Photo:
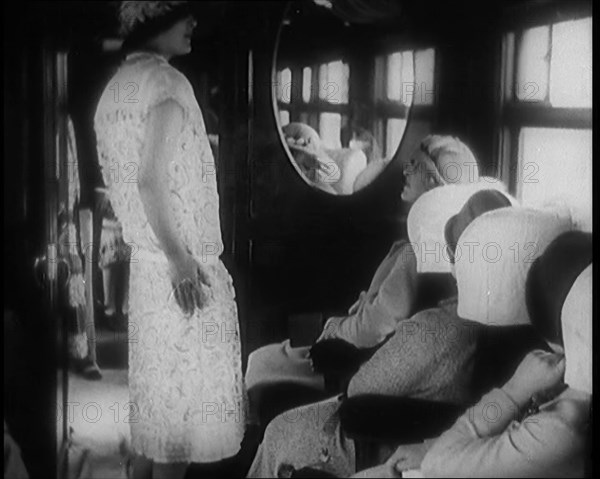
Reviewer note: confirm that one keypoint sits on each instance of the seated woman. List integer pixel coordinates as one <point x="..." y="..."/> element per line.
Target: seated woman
<point x="310" y="156"/>
<point x="512" y="440"/>
<point x="439" y="160"/>
<point x="330" y="169"/>
<point x="392" y="293"/>
<point x="430" y="356"/>
<point x="545" y="433"/>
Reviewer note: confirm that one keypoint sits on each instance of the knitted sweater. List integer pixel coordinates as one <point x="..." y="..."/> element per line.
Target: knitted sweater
<point x="430" y="357"/>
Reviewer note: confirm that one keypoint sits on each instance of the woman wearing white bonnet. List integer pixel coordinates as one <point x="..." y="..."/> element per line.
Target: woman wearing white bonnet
<point x="492" y="257"/>
<point x="393" y="293"/>
<point x="392" y="296"/>
<point x="539" y="426"/>
<point x="185" y="376"/>
<point x="429" y="356"/>
<point x="439" y="160"/>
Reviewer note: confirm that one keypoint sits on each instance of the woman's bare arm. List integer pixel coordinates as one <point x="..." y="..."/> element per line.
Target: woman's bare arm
<point x="165" y="123"/>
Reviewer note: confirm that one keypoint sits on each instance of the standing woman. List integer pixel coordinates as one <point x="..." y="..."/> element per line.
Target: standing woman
<point x="185" y="378"/>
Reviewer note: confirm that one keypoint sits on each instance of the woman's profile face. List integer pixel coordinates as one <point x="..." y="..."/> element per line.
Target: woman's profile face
<point x="419" y="173"/>
<point x="177" y="40"/>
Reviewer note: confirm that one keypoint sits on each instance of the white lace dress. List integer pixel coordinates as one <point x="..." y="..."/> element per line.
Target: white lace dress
<point x="187" y="396"/>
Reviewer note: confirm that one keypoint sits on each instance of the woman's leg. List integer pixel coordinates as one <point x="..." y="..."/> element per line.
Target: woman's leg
<point x="108" y="281"/>
<point x="169" y="471"/>
<point x="125" y="285"/>
<point x="91" y="369"/>
<point x="121" y="287"/>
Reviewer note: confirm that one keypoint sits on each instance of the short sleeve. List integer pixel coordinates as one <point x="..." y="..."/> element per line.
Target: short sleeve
<point x="166" y="83"/>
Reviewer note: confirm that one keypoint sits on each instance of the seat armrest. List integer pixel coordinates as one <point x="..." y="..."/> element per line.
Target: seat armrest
<point x="398" y="420"/>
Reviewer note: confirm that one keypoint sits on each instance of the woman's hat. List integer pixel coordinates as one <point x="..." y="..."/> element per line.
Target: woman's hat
<point x="481" y="202"/>
<point x="138" y="18"/>
<point x="577" y="333"/>
<point x="551" y="277"/>
<point x="492" y="260"/>
<point x="427" y="220"/>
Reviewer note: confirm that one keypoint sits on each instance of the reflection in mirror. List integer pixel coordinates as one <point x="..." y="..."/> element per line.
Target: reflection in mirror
<point x="343" y="90"/>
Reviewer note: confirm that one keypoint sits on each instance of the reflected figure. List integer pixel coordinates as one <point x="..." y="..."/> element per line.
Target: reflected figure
<point x="115" y="256"/>
<point x="309" y="155"/>
<point x="76" y="295"/>
<point x="330" y="169"/>
<point x="363" y="140"/>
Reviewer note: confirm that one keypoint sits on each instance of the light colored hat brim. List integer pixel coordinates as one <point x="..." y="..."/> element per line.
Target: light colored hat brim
<point x="493" y="258"/>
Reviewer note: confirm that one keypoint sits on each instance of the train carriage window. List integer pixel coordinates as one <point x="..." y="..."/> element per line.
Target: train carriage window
<point x="284" y="85"/>
<point x="403" y="79"/>
<point x="330" y="128"/>
<point x="306" y="84"/>
<point x="546" y="135"/>
<point x="533" y="65"/>
<point x="322" y="105"/>
<point x="556" y="164"/>
<point x="571" y="62"/>
<point x="424" y="77"/>
<point x="394" y="133"/>
<point x="333" y="82"/>
<point x="284" y="117"/>
<point x="400" y="73"/>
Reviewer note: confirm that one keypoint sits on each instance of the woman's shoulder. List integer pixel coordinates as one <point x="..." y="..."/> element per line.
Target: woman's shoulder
<point x="161" y="82"/>
<point x="161" y="75"/>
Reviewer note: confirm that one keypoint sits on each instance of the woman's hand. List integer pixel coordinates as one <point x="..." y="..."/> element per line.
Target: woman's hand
<point x="187" y="278"/>
<point x="330" y="328"/>
<point x="539" y="372"/>
<point x="355" y="307"/>
<point x="104" y="208"/>
<point x="406" y="458"/>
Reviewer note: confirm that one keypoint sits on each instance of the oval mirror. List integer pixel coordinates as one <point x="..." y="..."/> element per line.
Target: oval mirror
<point x="343" y="88"/>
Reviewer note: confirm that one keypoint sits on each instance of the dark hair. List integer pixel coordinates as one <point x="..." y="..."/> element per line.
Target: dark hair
<point x="550" y="279"/>
<point x="143" y="31"/>
<point x="478" y="204"/>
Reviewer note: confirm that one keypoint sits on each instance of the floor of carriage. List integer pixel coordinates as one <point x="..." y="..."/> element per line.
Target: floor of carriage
<point x="97" y="416"/>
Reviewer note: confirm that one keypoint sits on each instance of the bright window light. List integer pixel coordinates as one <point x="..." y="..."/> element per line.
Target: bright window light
<point x="571" y="64"/>
<point x="533" y="63"/>
<point x="330" y="125"/>
<point x="555" y="166"/>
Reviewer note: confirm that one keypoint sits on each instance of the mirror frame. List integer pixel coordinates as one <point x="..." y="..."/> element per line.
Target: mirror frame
<point x="279" y="127"/>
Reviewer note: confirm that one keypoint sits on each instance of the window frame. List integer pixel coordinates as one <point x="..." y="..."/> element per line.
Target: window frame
<point x="385" y="109"/>
<point x="515" y="114"/>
